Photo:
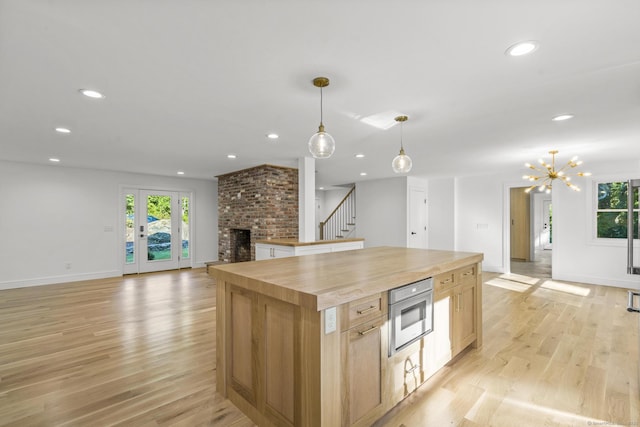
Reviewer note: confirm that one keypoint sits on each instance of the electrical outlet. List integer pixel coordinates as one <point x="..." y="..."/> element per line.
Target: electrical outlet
<point x="330" y="320"/>
<point x="67" y="265"/>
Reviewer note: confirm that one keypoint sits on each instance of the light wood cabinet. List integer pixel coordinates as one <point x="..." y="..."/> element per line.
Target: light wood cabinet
<point x="363" y="370"/>
<point x="299" y="345"/>
<point x="263" y="328"/>
<point x="463" y="331"/>
<point x="461" y="288"/>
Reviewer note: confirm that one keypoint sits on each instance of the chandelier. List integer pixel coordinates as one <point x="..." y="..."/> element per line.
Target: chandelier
<point x="546" y="173"/>
<point x="321" y="144"/>
<point x="401" y="163"/>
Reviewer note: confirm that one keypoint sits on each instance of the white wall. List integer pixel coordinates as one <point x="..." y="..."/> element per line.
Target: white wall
<point x="479" y="218"/>
<point x="381" y="209"/>
<point x="441" y="208"/>
<point x="331" y="198"/>
<point x="482" y="204"/>
<point x="577" y="255"/>
<point x="53" y="215"/>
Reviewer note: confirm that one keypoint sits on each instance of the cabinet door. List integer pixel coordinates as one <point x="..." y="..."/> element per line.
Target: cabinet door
<point x="272" y="251"/>
<point x="464" y="316"/>
<point x="312" y="249"/>
<point x="363" y="370"/>
<point x="347" y="246"/>
<point x="283" y="251"/>
<point x="262" y="252"/>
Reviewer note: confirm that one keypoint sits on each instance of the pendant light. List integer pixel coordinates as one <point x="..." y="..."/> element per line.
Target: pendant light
<point x="401" y="163"/>
<point x="321" y="144"/>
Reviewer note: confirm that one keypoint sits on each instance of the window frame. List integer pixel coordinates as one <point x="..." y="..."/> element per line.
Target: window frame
<point x="592" y="194"/>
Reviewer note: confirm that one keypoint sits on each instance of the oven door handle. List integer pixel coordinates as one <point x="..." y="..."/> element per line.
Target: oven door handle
<point x="630" y="306"/>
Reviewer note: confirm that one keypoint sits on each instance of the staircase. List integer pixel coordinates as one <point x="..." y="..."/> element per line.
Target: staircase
<point x="341" y="223"/>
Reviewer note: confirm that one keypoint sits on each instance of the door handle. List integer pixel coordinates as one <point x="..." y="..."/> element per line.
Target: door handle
<point x="413" y="232"/>
<point x="630" y="306"/>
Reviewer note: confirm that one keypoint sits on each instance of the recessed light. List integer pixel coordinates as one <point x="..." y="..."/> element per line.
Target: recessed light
<point x="54" y="160"/>
<point x="320" y="188"/>
<point x="180" y="173"/>
<point x="272" y="136"/>
<point x="91" y="93"/>
<point x="359" y="156"/>
<point x="363" y="174"/>
<point x="522" y="48"/>
<point x="63" y="130"/>
<point x="231" y="156"/>
<point x="562" y="117"/>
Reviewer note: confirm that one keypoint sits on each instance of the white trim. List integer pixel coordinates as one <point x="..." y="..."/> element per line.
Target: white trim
<point x="122" y="190"/>
<point x="51" y="280"/>
<point x="601" y="281"/>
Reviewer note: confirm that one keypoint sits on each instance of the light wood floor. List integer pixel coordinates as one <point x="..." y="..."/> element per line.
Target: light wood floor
<point x="140" y="351"/>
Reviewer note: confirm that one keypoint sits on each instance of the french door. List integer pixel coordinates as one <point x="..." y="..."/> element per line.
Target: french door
<point x="156" y="231"/>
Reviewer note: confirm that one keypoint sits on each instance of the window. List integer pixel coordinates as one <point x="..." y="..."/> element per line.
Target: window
<point x="611" y="211"/>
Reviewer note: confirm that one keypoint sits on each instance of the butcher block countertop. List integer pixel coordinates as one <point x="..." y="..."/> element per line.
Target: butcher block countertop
<point x="295" y="242"/>
<point x="320" y="281"/>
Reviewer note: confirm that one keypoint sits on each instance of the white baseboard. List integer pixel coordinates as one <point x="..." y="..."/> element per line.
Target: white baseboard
<point x="51" y="280"/>
<point x="632" y="283"/>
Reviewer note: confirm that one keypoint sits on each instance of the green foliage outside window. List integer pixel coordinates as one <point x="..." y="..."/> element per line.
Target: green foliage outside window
<point x="185" y="210"/>
<point x="611" y="214"/>
<point x="159" y="206"/>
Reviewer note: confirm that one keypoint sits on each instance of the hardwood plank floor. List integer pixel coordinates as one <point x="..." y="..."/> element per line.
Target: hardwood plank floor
<point x="140" y="351"/>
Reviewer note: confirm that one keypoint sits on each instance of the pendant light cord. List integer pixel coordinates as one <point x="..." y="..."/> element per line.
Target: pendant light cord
<point x="321" y="105"/>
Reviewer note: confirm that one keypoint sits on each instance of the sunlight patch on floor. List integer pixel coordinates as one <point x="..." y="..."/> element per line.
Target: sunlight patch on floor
<point x="556" y="415"/>
<point x="508" y="284"/>
<point x="520" y="278"/>
<point x="567" y="288"/>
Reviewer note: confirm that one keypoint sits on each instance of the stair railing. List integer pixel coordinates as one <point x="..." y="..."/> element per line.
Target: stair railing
<point x="341" y="220"/>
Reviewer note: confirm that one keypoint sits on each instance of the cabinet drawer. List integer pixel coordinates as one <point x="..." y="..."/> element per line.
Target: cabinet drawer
<point x="445" y="281"/>
<point x="467" y="275"/>
<point x="365" y="309"/>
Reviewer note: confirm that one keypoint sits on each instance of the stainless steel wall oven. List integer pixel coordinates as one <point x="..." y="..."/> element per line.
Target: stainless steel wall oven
<point x="410" y="314"/>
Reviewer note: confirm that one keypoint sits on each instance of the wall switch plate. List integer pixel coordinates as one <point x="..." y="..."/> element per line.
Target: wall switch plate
<point x="330" y="320"/>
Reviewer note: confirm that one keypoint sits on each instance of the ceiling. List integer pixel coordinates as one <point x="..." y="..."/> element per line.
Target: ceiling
<point x="188" y="82"/>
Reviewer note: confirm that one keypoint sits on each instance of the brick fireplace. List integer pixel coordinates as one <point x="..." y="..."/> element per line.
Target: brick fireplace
<point x="254" y="204"/>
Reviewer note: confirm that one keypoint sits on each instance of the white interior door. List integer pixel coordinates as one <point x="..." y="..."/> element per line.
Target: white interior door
<point x="157" y="230"/>
<point x="546" y="236"/>
<point x="417" y="218"/>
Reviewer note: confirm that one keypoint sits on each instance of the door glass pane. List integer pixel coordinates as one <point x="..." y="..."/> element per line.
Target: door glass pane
<point x="129" y="229"/>
<point x="185" y="227"/>
<point x="158" y="227"/>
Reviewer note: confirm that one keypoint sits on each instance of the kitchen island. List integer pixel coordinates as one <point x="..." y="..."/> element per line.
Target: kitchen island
<point x="303" y="341"/>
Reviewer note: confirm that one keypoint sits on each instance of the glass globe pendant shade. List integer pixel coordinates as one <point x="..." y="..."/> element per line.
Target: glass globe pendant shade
<point x="401" y="163"/>
<point x="321" y="144"/>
